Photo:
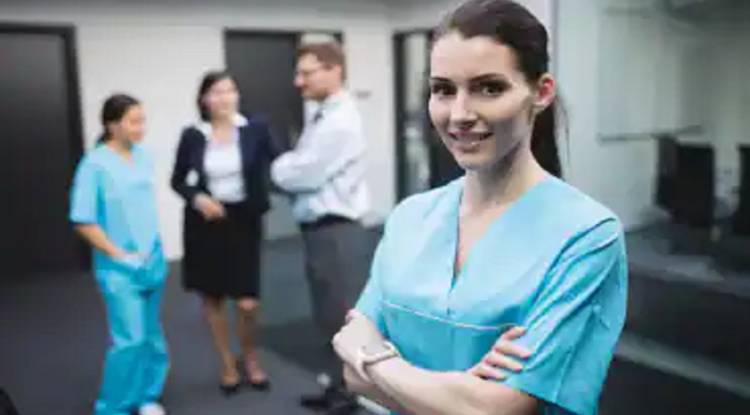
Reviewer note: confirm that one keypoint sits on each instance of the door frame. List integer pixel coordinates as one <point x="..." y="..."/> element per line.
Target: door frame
<point x="74" y="116"/>
<point x="399" y="104"/>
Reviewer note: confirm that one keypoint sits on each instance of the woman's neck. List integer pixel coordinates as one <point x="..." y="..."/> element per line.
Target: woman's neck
<point x="222" y="129"/>
<point x="503" y="184"/>
<point x="222" y="123"/>
<point x="120" y="146"/>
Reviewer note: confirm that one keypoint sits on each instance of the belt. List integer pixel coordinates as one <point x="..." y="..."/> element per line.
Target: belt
<point x="324" y="221"/>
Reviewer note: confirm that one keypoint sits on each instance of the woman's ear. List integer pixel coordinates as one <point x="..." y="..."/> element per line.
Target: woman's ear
<point x="546" y="91"/>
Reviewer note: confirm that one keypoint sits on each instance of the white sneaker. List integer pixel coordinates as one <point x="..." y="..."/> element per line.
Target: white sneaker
<point x="152" y="408"/>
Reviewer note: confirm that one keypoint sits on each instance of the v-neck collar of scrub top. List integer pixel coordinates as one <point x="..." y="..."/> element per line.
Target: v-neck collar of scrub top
<point x="130" y="162"/>
<point x="494" y="227"/>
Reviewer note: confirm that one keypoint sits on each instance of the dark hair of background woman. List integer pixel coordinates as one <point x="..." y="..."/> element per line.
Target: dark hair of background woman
<point x="209" y="79"/>
<point x="113" y="110"/>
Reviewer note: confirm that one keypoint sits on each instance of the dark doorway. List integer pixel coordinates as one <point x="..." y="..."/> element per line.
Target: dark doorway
<point x="40" y="118"/>
<point x="263" y="63"/>
<point x="422" y="162"/>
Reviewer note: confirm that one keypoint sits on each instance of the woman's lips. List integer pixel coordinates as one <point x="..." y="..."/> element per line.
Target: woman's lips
<point x="469" y="137"/>
<point x="468" y="142"/>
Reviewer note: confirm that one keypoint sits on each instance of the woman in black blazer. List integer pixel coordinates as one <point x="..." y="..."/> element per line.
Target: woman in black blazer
<point x="221" y="171"/>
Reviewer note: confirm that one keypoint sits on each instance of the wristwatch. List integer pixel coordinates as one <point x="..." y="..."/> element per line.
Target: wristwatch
<point x="369" y="355"/>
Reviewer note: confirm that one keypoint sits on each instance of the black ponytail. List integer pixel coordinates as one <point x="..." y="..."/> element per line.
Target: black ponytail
<point x="544" y="139"/>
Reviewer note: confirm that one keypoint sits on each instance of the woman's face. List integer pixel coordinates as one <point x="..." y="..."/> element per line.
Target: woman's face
<point x="480" y="103"/>
<point x="222" y="99"/>
<point x="131" y="127"/>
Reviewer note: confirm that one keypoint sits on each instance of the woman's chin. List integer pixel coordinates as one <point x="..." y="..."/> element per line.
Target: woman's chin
<point x="472" y="162"/>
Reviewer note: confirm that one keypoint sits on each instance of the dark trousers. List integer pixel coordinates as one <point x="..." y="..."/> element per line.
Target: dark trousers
<point x="337" y="266"/>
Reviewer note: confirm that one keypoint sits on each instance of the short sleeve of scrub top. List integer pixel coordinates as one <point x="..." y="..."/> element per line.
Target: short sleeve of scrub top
<point x="575" y="323"/>
<point x="83" y="202"/>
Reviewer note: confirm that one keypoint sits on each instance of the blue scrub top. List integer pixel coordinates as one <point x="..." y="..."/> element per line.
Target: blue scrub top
<point x="118" y="195"/>
<point x="554" y="262"/>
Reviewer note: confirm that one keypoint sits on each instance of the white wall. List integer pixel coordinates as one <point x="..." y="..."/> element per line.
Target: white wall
<point x="637" y="72"/>
<point x="619" y="71"/>
<point x="159" y="50"/>
<point x="643" y="75"/>
<point x="605" y="171"/>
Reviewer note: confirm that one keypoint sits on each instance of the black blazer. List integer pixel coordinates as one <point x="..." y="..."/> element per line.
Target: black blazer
<point x="257" y="150"/>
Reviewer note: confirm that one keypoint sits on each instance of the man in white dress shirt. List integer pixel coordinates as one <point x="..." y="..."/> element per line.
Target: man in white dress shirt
<point x="325" y="176"/>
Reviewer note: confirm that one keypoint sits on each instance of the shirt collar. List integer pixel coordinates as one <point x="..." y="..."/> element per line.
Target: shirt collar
<point x="331" y="102"/>
<point x="334" y="99"/>
<point x="205" y="127"/>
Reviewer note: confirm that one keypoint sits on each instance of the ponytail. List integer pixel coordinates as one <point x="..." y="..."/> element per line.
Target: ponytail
<point x="544" y="140"/>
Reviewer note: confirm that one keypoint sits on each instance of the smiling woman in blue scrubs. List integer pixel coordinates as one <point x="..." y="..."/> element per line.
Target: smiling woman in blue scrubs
<point x="508" y="248"/>
<point x="113" y="206"/>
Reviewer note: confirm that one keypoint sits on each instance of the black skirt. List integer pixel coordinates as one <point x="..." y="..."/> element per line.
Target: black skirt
<point x="222" y="258"/>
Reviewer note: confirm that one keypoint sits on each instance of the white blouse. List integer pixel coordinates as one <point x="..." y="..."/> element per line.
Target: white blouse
<point x="223" y="166"/>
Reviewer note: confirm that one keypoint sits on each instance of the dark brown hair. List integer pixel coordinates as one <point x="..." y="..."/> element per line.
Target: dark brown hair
<point x="513" y="25"/>
<point x="114" y="108"/>
<point x="209" y="79"/>
<point x="328" y="53"/>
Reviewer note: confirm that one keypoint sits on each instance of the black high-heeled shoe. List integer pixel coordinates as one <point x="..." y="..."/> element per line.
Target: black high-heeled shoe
<point x="252" y="367"/>
<point x="229" y="389"/>
<point x="261" y="386"/>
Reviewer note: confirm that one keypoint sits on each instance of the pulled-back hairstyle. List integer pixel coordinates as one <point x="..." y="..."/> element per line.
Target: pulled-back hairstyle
<point x="513" y="25"/>
<point x="113" y="109"/>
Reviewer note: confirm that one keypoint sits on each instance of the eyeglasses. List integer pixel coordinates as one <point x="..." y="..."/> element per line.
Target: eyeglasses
<point x="309" y="72"/>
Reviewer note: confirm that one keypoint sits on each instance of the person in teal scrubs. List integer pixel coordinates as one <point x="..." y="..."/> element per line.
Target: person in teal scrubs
<point x="507" y="252"/>
<point x="113" y="206"/>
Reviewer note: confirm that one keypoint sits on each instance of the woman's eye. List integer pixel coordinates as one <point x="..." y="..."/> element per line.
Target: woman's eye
<point x="442" y="90"/>
<point x="491" y="88"/>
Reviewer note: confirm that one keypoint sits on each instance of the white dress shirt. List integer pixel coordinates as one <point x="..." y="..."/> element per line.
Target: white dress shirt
<point x="326" y="170"/>
<point x="222" y="163"/>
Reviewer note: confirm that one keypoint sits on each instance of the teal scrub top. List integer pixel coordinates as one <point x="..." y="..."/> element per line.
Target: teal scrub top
<point x="118" y="195"/>
<point x="553" y="262"/>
